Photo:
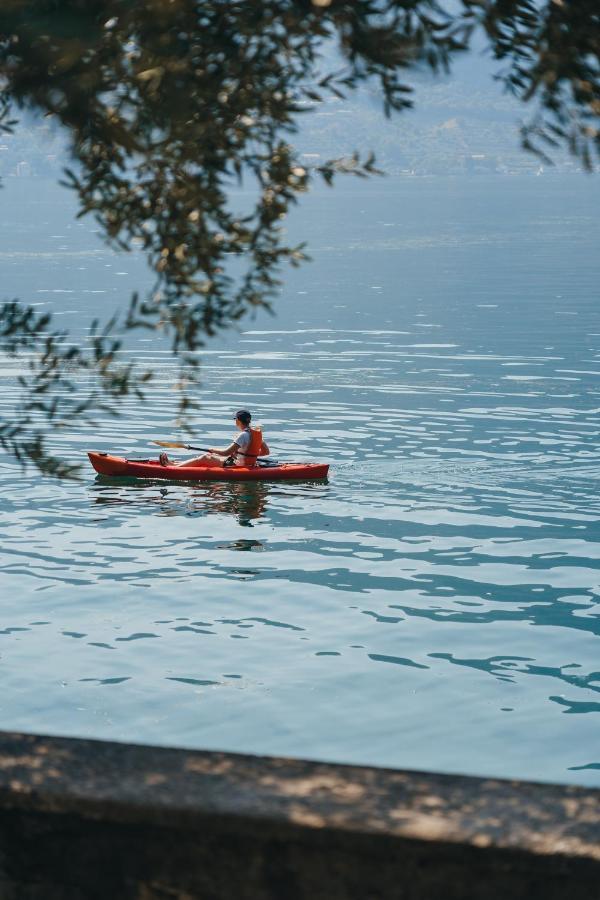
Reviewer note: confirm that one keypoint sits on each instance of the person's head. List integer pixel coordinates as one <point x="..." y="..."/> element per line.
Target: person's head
<point x="242" y="418"/>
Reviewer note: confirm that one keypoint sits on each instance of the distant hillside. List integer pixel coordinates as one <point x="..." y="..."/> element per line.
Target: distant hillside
<point x="37" y="148"/>
<point x="461" y="124"/>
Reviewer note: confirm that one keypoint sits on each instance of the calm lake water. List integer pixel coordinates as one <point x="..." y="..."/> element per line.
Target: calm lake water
<point x="436" y="604"/>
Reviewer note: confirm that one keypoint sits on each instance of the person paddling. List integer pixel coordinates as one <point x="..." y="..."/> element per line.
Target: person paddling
<point x="245" y="449"/>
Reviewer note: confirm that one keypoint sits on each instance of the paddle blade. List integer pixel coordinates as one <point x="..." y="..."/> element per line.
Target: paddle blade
<point x="173" y="444"/>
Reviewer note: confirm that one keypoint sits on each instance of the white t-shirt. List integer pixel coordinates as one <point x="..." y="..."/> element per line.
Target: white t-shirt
<point x="243" y="441"/>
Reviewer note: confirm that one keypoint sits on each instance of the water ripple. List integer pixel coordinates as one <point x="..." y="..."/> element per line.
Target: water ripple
<point x="436" y="604"/>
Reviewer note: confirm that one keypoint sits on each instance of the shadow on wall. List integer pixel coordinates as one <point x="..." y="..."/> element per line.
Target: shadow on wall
<point x="91" y="819"/>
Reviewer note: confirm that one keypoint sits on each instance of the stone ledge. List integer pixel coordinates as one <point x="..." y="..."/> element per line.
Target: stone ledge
<point x="87" y="819"/>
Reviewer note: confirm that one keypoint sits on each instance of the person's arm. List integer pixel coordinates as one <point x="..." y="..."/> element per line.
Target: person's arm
<point x="229" y="451"/>
<point x="264" y="450"/>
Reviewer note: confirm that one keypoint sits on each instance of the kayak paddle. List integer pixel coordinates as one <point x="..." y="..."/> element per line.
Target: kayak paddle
<point x="175" y="445"/>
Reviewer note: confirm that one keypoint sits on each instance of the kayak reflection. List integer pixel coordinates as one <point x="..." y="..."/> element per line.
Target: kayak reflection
<point x="247" y="500"/>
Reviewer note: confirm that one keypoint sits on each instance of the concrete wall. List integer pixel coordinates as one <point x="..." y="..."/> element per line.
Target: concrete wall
<point x="89" y="819"/>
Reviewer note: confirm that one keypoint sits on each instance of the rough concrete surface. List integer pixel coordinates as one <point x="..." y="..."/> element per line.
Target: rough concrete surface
<point x="92" y="819"/>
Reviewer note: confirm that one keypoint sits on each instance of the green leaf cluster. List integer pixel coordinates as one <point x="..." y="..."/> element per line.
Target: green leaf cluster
<point x="171" y="103"/>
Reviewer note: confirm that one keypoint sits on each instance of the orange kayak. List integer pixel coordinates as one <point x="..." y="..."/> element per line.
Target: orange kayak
<point x="105" y="464"/>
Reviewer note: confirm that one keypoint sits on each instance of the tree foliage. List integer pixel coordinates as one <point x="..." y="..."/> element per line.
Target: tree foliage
<point x="170" y="103"/>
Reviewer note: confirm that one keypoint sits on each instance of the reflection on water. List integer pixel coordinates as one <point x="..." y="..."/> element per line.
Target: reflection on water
<point x="243" y="545"/>
<point x="435" y="605"/>
<point x="244" y="500"/>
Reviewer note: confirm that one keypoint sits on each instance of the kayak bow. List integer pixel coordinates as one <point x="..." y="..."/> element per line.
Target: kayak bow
<point x="105" y="464"/>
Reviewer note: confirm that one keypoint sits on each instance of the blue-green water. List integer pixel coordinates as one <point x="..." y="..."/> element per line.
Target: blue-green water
<point x="436" y="605"/>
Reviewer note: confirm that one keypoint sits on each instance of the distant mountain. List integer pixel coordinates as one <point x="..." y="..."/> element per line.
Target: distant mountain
<point x="463" y="123"/>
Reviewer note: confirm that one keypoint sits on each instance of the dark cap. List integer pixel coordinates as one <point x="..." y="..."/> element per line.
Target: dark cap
<point x="244" y="416"/>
